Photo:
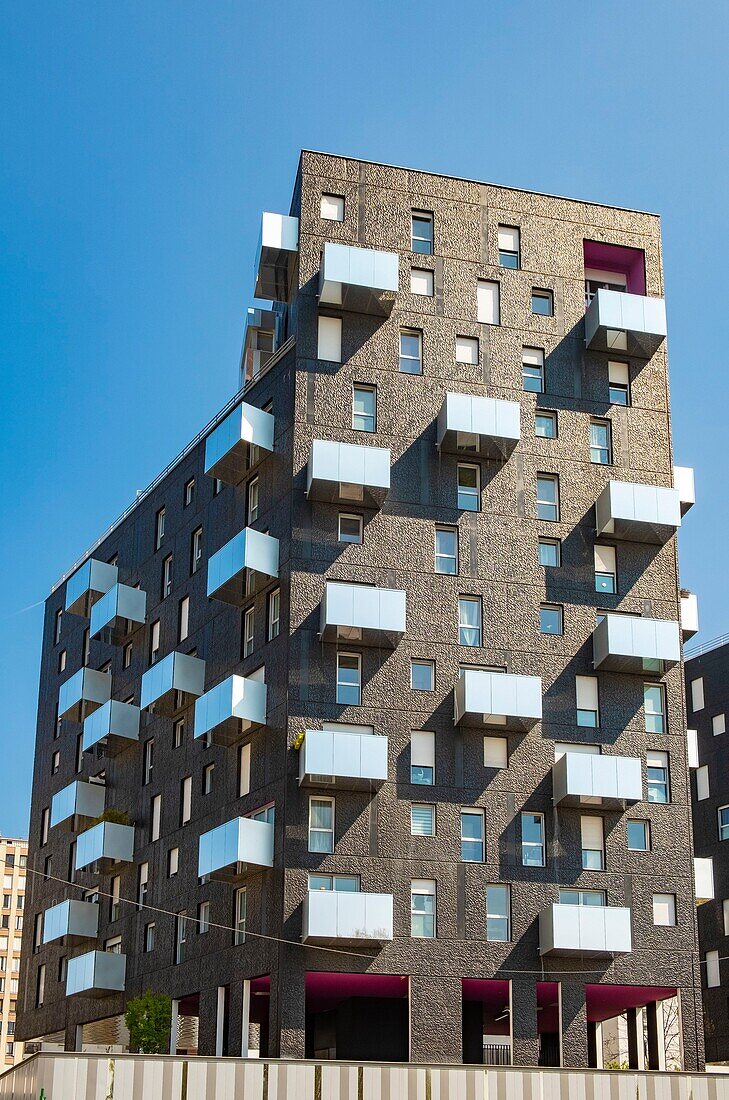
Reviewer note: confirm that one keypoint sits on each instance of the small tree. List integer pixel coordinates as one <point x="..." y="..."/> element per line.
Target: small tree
<point x="148" y="1019"/>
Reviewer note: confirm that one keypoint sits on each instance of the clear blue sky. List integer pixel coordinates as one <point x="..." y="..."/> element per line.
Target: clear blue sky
<point x="139" y="143"/>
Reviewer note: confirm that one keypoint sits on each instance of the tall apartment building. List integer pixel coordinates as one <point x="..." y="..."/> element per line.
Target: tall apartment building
<point x="362" y="733"/>
<point x="707" y="698"/>
<point x="13" y="858"/>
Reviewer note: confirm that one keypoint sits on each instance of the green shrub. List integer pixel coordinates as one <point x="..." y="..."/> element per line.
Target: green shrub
<point x="148" y="1019"/>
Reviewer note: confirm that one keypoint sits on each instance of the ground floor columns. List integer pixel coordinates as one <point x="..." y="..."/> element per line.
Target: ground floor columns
<point x="524" y="1037"/>
<point x="287" y="1017"/>
<point x="174" y="1024"/>
<point x="574" y="1025"/>
<point x="435" y="1019"/>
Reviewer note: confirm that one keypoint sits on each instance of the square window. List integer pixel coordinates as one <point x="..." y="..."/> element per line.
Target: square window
<point x="469" y="488"/>
<point x="364" y="408"/>
<point x="350" y="528"/>
<point x="331" y="208"/>
<point x="545" y="425"/>
<point x="467" y="350"/>
<point x="422" y="282"/>
<point x="422" y="820"/>
<point x="446" y="550"/>
<point x="421" y="232"/>
<point x="495" y="752"/>
<point x="543" y="303"/>
<point x="664" y="910"/>
<point x="550" y="619"/>
<point x="422" y="675"/>
<point x="638" y="836"/>
<point x="550" y="553"/>
<point x="411" y="351"/>
<point x="723" y="814"/>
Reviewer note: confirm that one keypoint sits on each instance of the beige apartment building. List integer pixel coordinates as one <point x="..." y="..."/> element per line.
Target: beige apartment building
<point x="13" y="858"/>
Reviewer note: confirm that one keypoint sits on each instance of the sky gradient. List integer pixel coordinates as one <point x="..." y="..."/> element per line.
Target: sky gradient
<point x="140" y="143"/>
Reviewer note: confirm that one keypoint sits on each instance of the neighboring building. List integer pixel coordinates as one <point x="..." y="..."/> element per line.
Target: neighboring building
<point x="13" y="859"/>
<point x="389" y="662"/>
<point x="707" y="703"/>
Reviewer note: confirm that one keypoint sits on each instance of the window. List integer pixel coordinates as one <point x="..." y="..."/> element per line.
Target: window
<point x="167" y="576"/>
<point x="469" y="621"/>
<point x="331" y="208"/>
<point x="582" y="897"/>
<point x="550" y="619"/>
<point x="114" y="902"/>
<point x="155" y="817"/>
<point x="664" y="910"/>
<point x="173" y="862"/>
<point x="364" y="408"/>
<point x="188" y="493"/>
<point x="252" y="497"/>
<point x="495" y="752"/>
<point x="723" y="815"/>
<point x="638" y="835"/>
<point x="178" y="732"/>
<point x="550" y="552"/>
<point x="545" y="425"/>
<point x="472" y="836"/>
<point x="244" y="769"/>
<point x="498" y="914"/>
<point x="239" y="915"/>
<point x="180" y="935"/>
<point x="422" y="909"/>
<point x="349" y="679"/>
<point x="588" y="710"/>
<point x="658" y="777"/>
<point x="55" y="762"/>
<point x="142" y="884"/>
<point x="467" y="350"/>
<point x="713" y="973"/>
<point x="321" y="825"/>
<point x="488" y="306"/>
<point x="347" y="884"/>
<point x="183" y="618"/>
<point x="422" y="675"/>
<point x="543" y="302"/>
<point x="217" y="486"/>
<point x="725" y="915"/>
<point x="274" y="614"/>
<point x="185" y="800"/>
<point x="718" y="724"/>
<point x="149" y="937"/>
<point x="606" y="570"/>
<point x="127" y="653"/>
<point x="422" y="282"/>
<point x="547" y="497"/>
<point x="654" y="707"/>
<point x="248" y="629"/>
<point x="350" y="528"/>
<point x="593" y="843"/>
<point x="532" y="370"/>
<point x="147" y="761"/>
<point x="329" y="338"/>
<point x="154" y="639"/>
<point x="532" y="840"/>
<point x="57" y="626"/>
<point x="203" y="918"/>
<point x="422" y="819"/>
<point x="207" y="778"/>
<point x="702" y="783"/>
<point x="86" y="647"/>
<point x="421" y="232"/>
<point x="509" y="237"/>
<point x="62" y="661"/>
<point x="601" y="450"/>
<point x="196" y="550"/>
<point x="697" y="694"/>
<point x="411" y="351"/>
<point x="159" y="528"/>
<point x="422" y="758"/>
<point x="469" y="488"/>
<point x="446" y="550"/>
<point x="619" y="383"/>
<point x="40" y="985"/>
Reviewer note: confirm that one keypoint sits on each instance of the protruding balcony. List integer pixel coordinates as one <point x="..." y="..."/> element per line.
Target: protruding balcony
<point x="587" y="779"/>
<point x="347" y="917"/>
<point x="469" y="424"/>
<point x="689" y="615"/>
<point x="96" y="974"/>
<point x="231" y="709"/>
<point x="683" y="482"/>
<point x="276" y="259"/>
<point x="105" y="844"/>
<point x="71" y="920"/>
<point x="584" y="929"/>
<point x="350" y="761"/>
<point x="248" y="550"/>
<point x="230" y="850"/>
<point x="344" y="472"/>
<point x="172" y="683"/>
<point x="77" y="801"/>
<point x="363" y="280"/>
<point x="629" y="323"/>
<point x="226" y="449"/>
<point x="692" y="748"/>
<point x="498" y="699"/>
<point x="115" y="724"/>
<point x="112" y="615"/>
<point x="362" y="613"/>
<point x="83" y="693"/>
<point x="259" y="344"/>
<point x="92" y="580"/>
<point x="629" y="643"/>
<point x="638" y="513"/>
<point x="704" y="879"/>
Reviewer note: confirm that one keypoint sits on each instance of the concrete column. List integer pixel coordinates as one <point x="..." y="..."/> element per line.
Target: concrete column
<point x="173" y="1026"/>
<point x="73" y="1040"/>
<point x="245" y="1022"/>
<point x="656" y="1036"/>
<point x="436" y="1028"/>
<point x="594" y="1045"/>
<point x="287" y="1018"/>
<point x="574" y="1025"/>
<point x="220" y="1022"/>
<point x="524" y="1037"/>
<point x="636" y="1049"/>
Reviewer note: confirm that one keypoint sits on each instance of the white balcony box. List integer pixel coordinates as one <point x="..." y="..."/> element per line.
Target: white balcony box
<point x="363" y="614"/>
<point x="78" y="800"/>
<point x="226" y="448"/>
<point x="469" y="424"/>
<point x="629" y="643"/>
<point x="348" y="472"/>
<point x="231" y="709"/>
<point x="112" y="614"/>
<point x="83" y="693"/>
<point x="92" y="580"/>
<point x="116" y="725"/>
<point x="584" y="930"/>
<point x="497" y="699"/>
<point x="105" y="844"/>
<point x="704" y="879"/>
<point x="683" y="482"/>
<point x="351" y="761"/>
<point x="580" y="779"/>
<point x="172" y="683"/>
<point x="344" y="917"/>
<point x="71" y="920"/>
<point x="230" y="850"/>
<point x="96" y="974"/>
<point x="248" y="550"/>
<point x="632" y="323"/>
<point x="259" y="343"/>
<point x="689" y="615"/>
<point x="637" y="513"/>
<point x="363" y="280"/>
<point x="276" y="257"/>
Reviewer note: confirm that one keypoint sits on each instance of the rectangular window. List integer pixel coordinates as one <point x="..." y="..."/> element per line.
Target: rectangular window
<point x="446" y="550"/>
<point x="543" y="302"/>
<point x="183" y="618"/>
<point x="495" y="752"/>
<point x="411" y="351"/>
<point x="329" y="342"/>
<point x="723" y="816"/>
<point x="467" y="350"/>
<point x="545" y="425"/>
<point x="364" y="408"/>
<point x="582" y="897"/>
<point x="55" y="762"/>
<point x="154" y="641"/>
<point x="248" y="631"/>
<point x="697" y="694"/>
<point x="588" y="710"/>
<point x="422" y="675"/>
<point x="421" y="232"/>
<point x="601" y="448"/>
<point x="638" y="835"/>
<point x="155" y="817"/>
<point x="188" y="493"/>
<point x="532" y="369"/>
<point x="274" y="614"/>
<point x="619" y="383"/>
<point x="606" y="569"/>
<point x="550" y="619"/>
<point x="422" y="758"/>
<point x="253" y="500"/>
<point x="239" y="915"/>
<point x="207" y="778"/>
<point x="178" y="732"/>
<point x="658" y="777"/>
<point x="422" y="282"/>
<point x="725" y="915"/>
<point x="702" y="783"/>
<point x="664" y="910"/>
<point x="62" y="661"/>
<point x="203" y="918"/>
<point x="593" y="843"/>
<point x="472" y="836"/>
<point x="180" y="935"/>
<point x="40" y="985"/>
<point x="498" y="913"/>
<point x="509" y="237"/>
<point x="159" y="528"/>
<point x="185" y="800"/>
<point x="713" y="971"/>
<point x="547" y="497"/>
<point x="196" y="550"/>
<point x="550" y="553"/>
<point x="149" y="937"/>
<point x="349" y="679"/>
<point x="142" y="884"/>
<point x="57" y="626"/>
<point x="167" y="576"/>
<point x="532" y="840"/>
<point x="127" y="653"/>
<point x="469" y="621"/>
<point x="422" y="819"/>
<point x="147" y="761"/>
<point x="331" y="208"/>
<point x="718" y="724"/>
<point x="469" y="487"/>
<point x="488" y="306"/>
<point x="244" y="770"/>
<point x="173" y="862"/>
<point x="114" y="903"/>
<point x="344" y="884"/>
<point x="422" y="909"/>
<point x="321" y="825"/>
<point x="654" y="708"/>
<point x="350" y="528"/>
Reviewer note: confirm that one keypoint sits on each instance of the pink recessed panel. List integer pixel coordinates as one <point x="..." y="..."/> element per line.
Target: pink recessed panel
<point x="616" y="257"/>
